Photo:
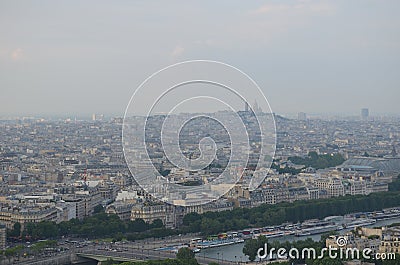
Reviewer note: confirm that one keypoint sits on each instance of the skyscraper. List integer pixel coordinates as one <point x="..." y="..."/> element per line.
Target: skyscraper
<point x="302" y="116"/>
<point x="364" y="113"/>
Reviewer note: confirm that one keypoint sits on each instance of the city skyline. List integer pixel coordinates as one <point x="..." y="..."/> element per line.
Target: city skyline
<point x="200" y="132"/>
<point x="312" y="57"/>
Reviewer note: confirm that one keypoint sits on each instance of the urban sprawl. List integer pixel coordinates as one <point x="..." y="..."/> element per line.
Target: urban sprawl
<point x="58" y="170"/>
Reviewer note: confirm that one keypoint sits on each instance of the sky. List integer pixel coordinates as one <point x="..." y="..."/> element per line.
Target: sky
<point x="84" y="57"/>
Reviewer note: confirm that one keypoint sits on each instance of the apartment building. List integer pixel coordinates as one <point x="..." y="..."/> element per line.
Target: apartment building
<point x="9" y="215"/>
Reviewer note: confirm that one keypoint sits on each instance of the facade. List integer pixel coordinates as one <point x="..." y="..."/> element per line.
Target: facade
<point x="313" y="193"/>
<point x="302" y="116"/>
<point x="11" y="215"/>
<point x="123" y="210"/>
<point x="79" y="204"/>
<point x="149" y="212"/>
<point x="3" y="236"/>
<point x="333" y="186"/>
<point x="355" y="187"/>
<point x="353" y="241"/>
<point x="390" y="241"/>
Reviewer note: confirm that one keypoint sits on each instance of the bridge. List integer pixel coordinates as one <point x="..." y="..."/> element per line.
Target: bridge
<point x="139" y="255"/>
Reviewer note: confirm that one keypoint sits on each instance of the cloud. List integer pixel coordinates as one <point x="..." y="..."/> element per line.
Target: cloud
<point x="17" y="54"/>
<point x="178" y="51"/>
<point x="298" y="6"/>
<point x="268" y="8"/>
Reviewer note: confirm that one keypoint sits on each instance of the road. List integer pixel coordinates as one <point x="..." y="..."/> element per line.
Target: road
<point x="139" y="254"/>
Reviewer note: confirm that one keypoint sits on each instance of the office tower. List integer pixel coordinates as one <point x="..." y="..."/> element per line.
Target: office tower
<point x="364" y="113"/>
<point x="97" y="117"/>
<point x="302" y="116"/>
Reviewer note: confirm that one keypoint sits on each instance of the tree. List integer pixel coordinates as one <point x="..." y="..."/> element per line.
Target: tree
<point x="16" y="231"/>
<point x="318" y="161"/>
<point x="138" y="225"/>
<point x="185" y="254"/>
<point x="313" y="155"/>
<point x="157" y="223"/>
<point x="109" y="261"/>
<point x="325" y="261"/>
<point x="395" y="184"/>
<point x="98" y="209"/>
<point x="325" y="236"/>
<point x="252" y="246"/>
<point x="250" y="249"/>
<point x="191" y="218"/>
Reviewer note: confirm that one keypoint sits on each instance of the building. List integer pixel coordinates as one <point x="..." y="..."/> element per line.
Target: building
<point x="390" y="240"/>
<point x="354" y="241"/>
<point x="301" y="116"/>
<point x="333" y="186"/>
<point x="3" y="236"/>
<point x="355" y="187"/>
<point x="90" y="198"/>
<point x="149" y="212"/>
<point x="97" y="117"/>
<point x="313" y="193"/>
<point x="108" y="190"/>
<point x="123" y="210"/>
<point x="364" y="114"/>
<point x="79" y="204"/>
<point x="9" y="215"/>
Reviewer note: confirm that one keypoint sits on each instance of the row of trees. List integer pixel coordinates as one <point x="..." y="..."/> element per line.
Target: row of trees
<point x="33" y="249"/>
<point x="265" y="215"/>
<point x="395" y="185"/>
<point x="286" y="169"/>
<point x="96" y="226"/>
<point x="9" y="252"/>
<point x="318" y="161"/>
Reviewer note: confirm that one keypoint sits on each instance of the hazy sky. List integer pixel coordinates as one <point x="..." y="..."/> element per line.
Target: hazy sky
<point x="82" y="57"/>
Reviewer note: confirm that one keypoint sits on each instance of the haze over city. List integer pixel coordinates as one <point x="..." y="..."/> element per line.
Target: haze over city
<point x="200" y="132"/>
<point x="78" y="58"/>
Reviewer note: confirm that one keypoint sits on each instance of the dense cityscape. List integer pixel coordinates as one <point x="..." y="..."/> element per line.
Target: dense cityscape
<point x="56" y="171"/>
<point x="199" y="132"/>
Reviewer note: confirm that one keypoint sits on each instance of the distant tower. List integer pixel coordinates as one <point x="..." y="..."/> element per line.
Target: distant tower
<point x="302" y="116"/>
<point x="364" y="114"/>
<point x="97" y="117"/>
<point x="256" y="108"/>
<point x="394" y="153"/>
<point x="246" y="106"/>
